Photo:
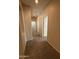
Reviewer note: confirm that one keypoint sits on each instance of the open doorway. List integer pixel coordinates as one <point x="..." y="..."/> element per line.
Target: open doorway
<point x="45" y="27"/>
<point x="33" y="23"/>
<point x="40" y="27"/>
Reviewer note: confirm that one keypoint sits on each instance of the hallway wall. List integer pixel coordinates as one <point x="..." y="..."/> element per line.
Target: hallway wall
<point x="27" y="20"/>
<point x="21" y="30"/>
<point x="25" y="32"/>
<point x="53" y="13"/>
<point x="40" y="25"/>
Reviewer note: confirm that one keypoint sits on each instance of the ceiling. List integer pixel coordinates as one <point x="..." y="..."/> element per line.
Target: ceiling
<point x="36" y="8"/>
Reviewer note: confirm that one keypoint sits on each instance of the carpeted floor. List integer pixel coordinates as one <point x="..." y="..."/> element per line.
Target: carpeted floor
<point x="40" y="49"/>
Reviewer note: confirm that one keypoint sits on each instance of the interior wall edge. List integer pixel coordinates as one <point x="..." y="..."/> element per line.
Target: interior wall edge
<point x="53" y="47"/>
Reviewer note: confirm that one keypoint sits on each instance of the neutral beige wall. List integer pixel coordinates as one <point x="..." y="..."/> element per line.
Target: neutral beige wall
<point x="40" y="25"/>
<point x="21" y="32"/>
<point x="25" y="32"/>
<point x="27" y="20"/>
<point x="53" y="13"/>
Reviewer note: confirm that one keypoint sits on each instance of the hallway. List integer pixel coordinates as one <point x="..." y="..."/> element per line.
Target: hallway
<point x="40" y="49"/>
<point x="39" y="29"/>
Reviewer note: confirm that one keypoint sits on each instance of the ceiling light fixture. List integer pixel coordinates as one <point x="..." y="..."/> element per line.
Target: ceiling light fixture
<point x="36" y="1"/>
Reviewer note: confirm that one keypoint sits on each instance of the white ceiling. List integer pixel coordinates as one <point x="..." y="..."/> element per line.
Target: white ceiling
<point x="36" y="8"/>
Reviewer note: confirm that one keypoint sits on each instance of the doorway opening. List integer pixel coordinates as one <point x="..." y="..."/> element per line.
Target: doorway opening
<point x="45" y="28"/>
